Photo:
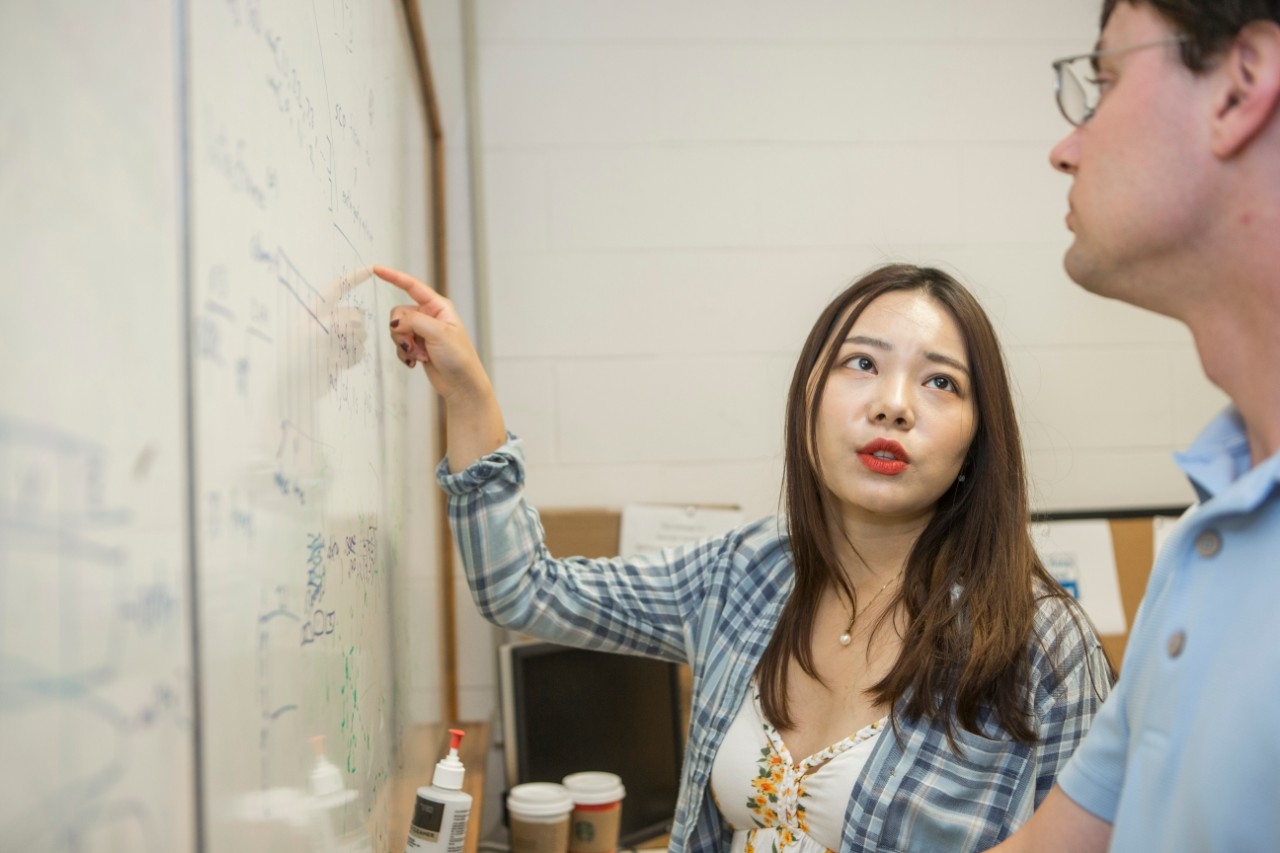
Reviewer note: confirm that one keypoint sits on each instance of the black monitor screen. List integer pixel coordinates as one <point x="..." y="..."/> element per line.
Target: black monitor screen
<point x="567" y="710"/>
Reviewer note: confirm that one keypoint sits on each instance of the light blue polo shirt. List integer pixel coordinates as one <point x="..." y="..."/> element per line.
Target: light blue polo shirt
<point x="1185" y="754"/>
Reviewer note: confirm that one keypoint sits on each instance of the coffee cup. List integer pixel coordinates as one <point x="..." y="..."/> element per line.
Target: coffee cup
<point x="539" y="815"/>
<point x="597" y="811"/>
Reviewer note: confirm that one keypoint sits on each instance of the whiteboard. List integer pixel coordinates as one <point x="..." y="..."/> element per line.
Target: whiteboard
<point x="96" y="714"/>
<point x="202" y="426"/>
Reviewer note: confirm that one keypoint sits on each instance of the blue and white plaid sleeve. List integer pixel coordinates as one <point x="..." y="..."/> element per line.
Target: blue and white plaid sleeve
<point x="645" y="605"/>
<point x="1066" y="713"/>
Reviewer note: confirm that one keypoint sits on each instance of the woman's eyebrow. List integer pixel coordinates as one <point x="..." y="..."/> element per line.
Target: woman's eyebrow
<point x="936" y="357"/>
<point x="947" y="360"/>
<point x="869" y="342"/>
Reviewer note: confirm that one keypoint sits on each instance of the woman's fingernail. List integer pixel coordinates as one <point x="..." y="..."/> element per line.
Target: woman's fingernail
<point x="404" y="347"/>
<point x="395" y="323"/>
<point x="413" y="363"/>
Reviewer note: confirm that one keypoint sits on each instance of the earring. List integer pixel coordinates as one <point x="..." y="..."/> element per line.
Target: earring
<point x="960" y="479"/>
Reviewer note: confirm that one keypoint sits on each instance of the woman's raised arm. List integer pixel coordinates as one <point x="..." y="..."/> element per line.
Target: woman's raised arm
<point x="432" y="333"/>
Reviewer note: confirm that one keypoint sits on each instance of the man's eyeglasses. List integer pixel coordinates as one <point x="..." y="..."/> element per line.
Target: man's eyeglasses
<point x="1076" y="85"/>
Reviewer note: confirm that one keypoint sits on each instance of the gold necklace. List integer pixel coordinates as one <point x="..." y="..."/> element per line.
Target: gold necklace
<point x="847" y="637"/>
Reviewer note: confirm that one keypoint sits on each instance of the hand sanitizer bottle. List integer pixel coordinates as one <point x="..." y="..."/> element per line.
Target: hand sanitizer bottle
<point x="336" y="826"/>
<point x="442" y="808"/>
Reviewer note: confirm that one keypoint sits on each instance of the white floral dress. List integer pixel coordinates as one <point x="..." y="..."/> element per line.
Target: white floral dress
<point x="775" y="804"/>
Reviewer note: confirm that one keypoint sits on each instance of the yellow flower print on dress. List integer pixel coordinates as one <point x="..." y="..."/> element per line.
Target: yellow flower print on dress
<point x="777" y="799"/>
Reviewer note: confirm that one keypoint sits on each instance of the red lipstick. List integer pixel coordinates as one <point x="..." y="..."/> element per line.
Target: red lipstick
<point x="884" y="456"/>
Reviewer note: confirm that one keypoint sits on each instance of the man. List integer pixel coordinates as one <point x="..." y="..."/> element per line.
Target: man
<point x="1175" y="207"/>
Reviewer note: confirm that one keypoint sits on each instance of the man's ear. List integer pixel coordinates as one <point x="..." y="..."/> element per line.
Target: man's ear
<point x="1250" y="90"/>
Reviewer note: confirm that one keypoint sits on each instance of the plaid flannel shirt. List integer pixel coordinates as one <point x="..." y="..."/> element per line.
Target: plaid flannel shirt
<point x="714" y="604"/>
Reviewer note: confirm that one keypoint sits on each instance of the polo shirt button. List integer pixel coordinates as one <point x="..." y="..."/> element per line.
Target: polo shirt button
<point x="1208" y="543"/>
<point x="1177" y="640"/>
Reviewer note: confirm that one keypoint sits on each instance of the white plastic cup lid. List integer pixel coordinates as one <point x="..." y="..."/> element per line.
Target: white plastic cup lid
<point x="539" y="799"/>
<point x="593" y="788"/>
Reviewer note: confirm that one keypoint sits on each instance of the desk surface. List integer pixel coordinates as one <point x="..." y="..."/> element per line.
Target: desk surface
<point x="423" y="746"/>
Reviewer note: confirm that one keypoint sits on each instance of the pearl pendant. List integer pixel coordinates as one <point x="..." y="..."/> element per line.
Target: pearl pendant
<point x="845" y="639"/>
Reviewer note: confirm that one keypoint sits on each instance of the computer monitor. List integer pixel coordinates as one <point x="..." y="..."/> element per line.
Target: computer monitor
<point x="566" y="710"/>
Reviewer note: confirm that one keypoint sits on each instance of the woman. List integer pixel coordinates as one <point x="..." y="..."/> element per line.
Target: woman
<point x="888" y="668"/>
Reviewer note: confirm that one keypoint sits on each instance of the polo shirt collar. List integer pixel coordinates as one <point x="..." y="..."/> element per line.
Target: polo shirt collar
<point x="1219" y="458"/>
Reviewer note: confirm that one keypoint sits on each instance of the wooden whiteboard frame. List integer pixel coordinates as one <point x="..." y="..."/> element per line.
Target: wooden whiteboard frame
<point x="437" y="240"/>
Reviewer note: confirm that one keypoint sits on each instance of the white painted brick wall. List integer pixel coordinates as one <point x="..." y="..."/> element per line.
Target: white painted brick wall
<point x="675" y="188"/>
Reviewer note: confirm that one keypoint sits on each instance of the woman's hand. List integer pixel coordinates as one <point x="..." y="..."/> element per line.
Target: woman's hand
<point x="432" y="333"/>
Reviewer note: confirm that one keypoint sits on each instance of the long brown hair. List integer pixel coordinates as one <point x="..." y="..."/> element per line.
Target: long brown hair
<point x="972" y="580"/>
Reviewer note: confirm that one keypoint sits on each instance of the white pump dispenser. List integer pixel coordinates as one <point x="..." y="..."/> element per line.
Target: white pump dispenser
<point x="326" y="779"/>
<point x="334" y="826"/>
<point x="442" y="808"/>
<point x="449" y="769"/>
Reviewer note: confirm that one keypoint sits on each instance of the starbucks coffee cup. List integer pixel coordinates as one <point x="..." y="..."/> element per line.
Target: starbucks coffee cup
<point x="597" y="811"/>
<point x="539" y="814"/>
